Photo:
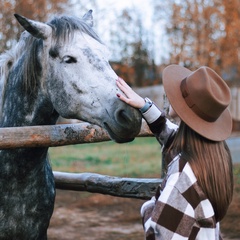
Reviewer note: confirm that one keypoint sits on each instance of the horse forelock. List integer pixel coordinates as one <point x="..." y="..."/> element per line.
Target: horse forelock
<point x="64" y="28"/>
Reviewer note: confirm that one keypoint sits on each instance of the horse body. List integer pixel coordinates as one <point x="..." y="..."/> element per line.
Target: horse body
<point x="59" y="68"/>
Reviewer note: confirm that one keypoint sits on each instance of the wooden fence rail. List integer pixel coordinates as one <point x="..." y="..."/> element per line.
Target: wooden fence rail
<point x="140" y="188"/>
<point x="68" y="134"/>
<point x="56" y="135"/>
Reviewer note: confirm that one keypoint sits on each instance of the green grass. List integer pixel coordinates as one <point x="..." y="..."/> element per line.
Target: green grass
<point x="140" y="158"/>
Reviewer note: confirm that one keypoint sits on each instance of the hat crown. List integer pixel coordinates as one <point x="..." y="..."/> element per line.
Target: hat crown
<point x="206" y="93"/>
<point x="200" y="99"/>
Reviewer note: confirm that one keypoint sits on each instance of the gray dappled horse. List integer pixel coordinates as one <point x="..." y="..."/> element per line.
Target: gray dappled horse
<point x="57" y="68"/>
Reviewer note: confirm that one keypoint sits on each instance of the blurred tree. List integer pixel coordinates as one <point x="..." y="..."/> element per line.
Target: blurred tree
<point x="140" y="62"/>
<point x="39" y="10"/>
<point x="194" y="32"/>
<point x="204" y="32"/>
<point x="131" y="38"/>
<point x="230" y="42"/>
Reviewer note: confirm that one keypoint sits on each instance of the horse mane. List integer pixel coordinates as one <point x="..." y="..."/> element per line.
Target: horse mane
<point x="28" y="47"/>
<point x="7" y="60"/>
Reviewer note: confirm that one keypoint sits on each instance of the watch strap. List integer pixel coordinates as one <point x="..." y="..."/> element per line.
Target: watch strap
<point x="148" y="104"/>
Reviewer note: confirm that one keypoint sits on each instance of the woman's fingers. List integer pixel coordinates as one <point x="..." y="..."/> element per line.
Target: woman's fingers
<point x="131" y="98"/>
<point x="124" y="86"/>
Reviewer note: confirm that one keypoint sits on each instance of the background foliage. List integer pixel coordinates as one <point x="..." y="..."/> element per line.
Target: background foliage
<point x="191" y="33"/>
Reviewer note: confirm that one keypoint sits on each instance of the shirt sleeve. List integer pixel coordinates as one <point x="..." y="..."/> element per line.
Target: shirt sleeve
<point x="163" y="129"/>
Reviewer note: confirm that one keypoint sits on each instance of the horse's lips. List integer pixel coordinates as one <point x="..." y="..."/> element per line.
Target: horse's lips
<point x="116" y="137"/>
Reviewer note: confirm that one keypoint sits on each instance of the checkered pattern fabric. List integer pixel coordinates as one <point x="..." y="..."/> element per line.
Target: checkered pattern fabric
<point x="180" y="209"/>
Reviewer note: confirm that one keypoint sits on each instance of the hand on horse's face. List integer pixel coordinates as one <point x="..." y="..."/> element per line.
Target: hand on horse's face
<point x="130" y="97"/>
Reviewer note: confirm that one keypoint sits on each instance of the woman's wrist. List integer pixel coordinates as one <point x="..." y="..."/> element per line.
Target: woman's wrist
<point x="146" y="106"/>
<point x="152" y="114"/>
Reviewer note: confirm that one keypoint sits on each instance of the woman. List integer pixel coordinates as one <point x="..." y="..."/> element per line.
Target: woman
<point x="198" y="187"/>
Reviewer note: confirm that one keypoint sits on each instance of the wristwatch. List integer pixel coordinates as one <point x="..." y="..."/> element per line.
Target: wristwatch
<point x="148" y="104"/>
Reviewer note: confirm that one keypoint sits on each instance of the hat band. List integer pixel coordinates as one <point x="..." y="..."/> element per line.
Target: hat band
<point x="189" y="101"/>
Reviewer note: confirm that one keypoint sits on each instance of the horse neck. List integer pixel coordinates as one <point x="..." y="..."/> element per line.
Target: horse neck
<point x="22" y="108"/>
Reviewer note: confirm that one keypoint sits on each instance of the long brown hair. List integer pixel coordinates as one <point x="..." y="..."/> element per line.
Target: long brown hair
<point x="211" y="163"/>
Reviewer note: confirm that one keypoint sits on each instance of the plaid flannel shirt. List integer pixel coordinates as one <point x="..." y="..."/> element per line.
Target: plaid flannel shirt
<point x="180" y="210"/>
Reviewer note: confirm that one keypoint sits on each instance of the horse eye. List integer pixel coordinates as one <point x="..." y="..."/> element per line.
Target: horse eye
<point x="69" y="59"/>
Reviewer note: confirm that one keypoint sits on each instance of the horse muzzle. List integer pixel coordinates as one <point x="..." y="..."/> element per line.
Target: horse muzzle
<point x="125" y="125"/>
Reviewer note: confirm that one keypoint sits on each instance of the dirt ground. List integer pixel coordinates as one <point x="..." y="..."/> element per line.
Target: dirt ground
<point x="85" y="216"/>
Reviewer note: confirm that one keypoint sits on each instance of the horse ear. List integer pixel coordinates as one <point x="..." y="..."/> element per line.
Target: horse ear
<point x="37" y="29"/>
<point x="88" y="18"/>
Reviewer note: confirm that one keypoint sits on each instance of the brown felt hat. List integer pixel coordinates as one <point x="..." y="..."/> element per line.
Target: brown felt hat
<point x="200" y="99"/>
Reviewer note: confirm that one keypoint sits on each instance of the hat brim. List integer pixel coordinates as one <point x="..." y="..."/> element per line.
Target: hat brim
<point x="217" y="131"/>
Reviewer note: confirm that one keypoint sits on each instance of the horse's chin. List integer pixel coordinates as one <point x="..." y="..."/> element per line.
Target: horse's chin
<point x="116" y="137"/>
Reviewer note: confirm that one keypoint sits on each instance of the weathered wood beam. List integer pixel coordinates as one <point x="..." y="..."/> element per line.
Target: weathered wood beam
<point x="140" y="188"/>
<point x="56" y="135"/>
<point x="67" y="134"/>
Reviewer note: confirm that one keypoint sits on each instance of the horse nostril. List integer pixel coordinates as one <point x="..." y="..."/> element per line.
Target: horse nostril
<point x="122" y="117"/>
<point x="128" y="121"/>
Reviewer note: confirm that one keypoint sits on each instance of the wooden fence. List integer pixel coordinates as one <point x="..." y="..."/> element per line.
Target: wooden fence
<point x="80" y="133"/>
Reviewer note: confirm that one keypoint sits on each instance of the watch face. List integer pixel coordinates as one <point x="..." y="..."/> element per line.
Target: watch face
<point x="148" y="100"/>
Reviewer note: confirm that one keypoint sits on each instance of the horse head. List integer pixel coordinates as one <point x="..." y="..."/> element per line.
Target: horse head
<point x="77" y="77"/>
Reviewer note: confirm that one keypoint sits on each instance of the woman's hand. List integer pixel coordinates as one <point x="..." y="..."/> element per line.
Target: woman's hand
<point x="131" y="98"/>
